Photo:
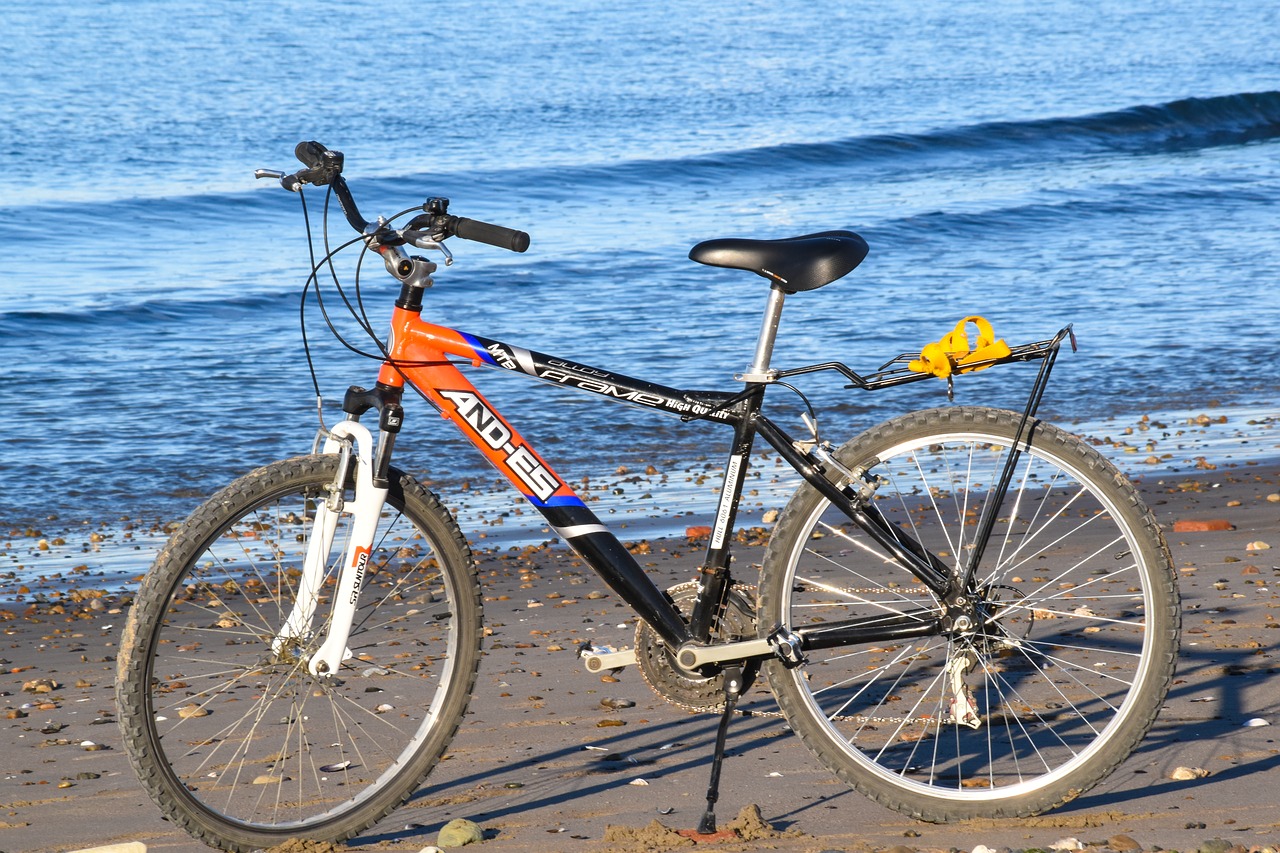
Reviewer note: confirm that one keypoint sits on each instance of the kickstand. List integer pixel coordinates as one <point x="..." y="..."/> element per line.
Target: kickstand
<point x="733" y="687"/>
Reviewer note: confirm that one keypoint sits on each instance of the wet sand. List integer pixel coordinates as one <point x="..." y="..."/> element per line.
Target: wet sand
<point x="545" y="762"/>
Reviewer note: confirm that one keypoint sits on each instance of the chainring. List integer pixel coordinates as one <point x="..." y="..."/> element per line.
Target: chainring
<point x="659" y="671"/>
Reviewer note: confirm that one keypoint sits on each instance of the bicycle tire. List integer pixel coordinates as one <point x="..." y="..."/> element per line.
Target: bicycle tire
<point x="237" y="743"/>
<point x="1071" y="663"/>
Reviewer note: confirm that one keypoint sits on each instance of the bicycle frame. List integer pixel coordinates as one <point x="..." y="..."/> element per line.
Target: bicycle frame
<point x="422" y="354"/>
<point x="329" y="560"/>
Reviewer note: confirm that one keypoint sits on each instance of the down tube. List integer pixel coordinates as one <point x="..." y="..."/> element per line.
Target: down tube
<point x="477" y="419"/>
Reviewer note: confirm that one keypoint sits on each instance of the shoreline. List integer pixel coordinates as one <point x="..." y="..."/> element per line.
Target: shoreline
<point x="640" y="502"/>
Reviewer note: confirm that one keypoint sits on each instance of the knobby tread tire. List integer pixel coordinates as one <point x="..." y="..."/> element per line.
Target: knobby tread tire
<point x="1163" y="619"/>
<point x="140" y="632"/>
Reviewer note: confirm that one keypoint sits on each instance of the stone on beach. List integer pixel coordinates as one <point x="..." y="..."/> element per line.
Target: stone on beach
<point x="40" y="685"/>
<point x="1186" y="774"/>
<point x="459" y="832"/>
<point x="1202" y="525"/>
<point x="269" y="779"/>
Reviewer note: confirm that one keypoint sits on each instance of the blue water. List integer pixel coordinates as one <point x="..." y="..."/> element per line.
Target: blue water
<point x="1115" y="166"/>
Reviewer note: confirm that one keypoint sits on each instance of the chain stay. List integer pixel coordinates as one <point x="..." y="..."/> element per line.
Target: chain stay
<point x="856" y="718"/>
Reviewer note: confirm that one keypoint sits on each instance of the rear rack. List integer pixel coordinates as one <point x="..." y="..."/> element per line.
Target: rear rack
<point x="895" y="372"/>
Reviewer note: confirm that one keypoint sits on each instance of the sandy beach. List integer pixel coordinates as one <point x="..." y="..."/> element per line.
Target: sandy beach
<point x="549" y="756"/>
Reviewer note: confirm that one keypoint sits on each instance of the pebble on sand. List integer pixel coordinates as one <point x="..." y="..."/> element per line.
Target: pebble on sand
<point x="459" y="832"/>
<point x="1201" y="525"/>
<point x="268" y="779"/>
<point x="40" y="685"/>
<point x="1186" y="774"/>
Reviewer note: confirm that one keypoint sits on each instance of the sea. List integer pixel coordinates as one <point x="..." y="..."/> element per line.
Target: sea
<point x="1112" y="166"/>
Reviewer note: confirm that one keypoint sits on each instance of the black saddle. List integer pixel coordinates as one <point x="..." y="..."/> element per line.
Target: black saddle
<point x="795" y="264"/>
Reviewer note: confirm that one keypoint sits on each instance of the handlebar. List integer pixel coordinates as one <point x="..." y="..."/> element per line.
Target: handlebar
<point x="495" y="235"/>
<point x="324" y="167"/>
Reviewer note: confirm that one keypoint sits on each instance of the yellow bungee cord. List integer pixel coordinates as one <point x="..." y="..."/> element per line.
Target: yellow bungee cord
<point x="953" y="352"/>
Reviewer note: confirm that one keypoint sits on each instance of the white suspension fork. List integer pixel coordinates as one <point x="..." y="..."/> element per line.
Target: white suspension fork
<point x="365" y="510"/>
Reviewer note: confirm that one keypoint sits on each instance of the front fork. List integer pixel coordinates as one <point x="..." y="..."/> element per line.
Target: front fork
<point x="353" y="444"/>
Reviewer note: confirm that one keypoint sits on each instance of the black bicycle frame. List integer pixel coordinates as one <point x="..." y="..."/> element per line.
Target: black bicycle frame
<point x="741" y="410"/>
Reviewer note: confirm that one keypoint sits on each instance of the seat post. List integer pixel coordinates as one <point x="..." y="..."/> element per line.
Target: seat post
<point x="759" y="370"/>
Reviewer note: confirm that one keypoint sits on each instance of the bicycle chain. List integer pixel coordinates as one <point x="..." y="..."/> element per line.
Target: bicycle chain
<point x="719" y="709"/>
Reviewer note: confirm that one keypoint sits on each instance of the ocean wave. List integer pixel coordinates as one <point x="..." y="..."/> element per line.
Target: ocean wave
<point x="1181" y="125"/>
<point x="1184" y="124"/>
<point x="28" y="324"/>
<point x="1106" y="203"/>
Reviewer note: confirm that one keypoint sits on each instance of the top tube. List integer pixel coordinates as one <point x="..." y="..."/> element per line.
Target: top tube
<point x="720" y="406"/>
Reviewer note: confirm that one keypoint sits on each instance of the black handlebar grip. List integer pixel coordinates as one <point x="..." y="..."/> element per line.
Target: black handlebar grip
<point x="494" y="235"/>
<point x="310" y="153"/>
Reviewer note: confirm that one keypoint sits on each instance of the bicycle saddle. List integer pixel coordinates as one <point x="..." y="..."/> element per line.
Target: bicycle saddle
<point x="795" y="263"/>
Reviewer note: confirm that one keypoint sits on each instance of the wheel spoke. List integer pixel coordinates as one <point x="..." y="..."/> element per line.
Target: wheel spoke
<point x="233" y="721"/>
<point x="1058" y="636"/>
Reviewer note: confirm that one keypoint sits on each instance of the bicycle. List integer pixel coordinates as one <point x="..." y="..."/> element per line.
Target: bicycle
<point x="962" y="612"/>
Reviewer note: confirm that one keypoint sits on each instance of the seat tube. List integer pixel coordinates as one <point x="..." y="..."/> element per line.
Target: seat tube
<point x="715" y="571"/>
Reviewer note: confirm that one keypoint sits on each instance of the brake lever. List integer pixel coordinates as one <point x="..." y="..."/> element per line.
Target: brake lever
<point x="423" y="240"/>
<point x="290" y="182"/>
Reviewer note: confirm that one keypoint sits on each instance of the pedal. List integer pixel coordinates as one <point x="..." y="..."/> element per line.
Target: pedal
<point x="603" y="658"/>
<point x="787" y="645"/>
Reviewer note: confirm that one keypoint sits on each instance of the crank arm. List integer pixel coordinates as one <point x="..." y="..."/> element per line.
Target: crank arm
<point x="600" y="661"/>
<point x="692" y="655"/>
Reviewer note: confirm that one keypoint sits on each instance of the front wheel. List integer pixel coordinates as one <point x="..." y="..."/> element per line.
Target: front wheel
<point x="229" y="732"/>
<point x="1055" y="679"/>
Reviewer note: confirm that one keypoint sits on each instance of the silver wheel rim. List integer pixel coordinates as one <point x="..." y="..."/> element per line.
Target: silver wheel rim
<point x="852" y="716"/>
<point x="261" y="743"/>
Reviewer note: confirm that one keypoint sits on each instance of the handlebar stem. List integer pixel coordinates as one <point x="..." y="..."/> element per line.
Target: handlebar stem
<point x="413" y="271"/>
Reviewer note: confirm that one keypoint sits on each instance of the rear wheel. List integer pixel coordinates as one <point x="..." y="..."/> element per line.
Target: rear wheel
<point x="231" y="735"/>
<point x="1074" y="634"/>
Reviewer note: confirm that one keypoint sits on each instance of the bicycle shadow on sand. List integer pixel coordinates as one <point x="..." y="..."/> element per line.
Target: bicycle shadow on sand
<point x="1216" y="691"/>
<point x="1232" y="685"/>
<point x="657" y="751"/>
